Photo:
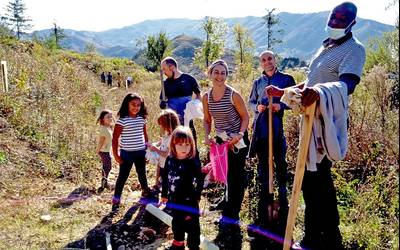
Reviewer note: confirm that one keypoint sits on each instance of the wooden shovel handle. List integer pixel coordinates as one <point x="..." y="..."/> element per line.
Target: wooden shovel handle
<point x="270" y="148"/>
<point x="163" y="97"/>
<point x="305" y="134"/>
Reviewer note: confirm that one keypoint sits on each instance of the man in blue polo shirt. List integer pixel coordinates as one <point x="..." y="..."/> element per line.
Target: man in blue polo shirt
<point x="337" y="67"/>
<point x="258" y="102"/>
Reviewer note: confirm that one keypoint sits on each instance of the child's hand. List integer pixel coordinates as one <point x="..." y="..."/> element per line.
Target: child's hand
<point x="152" y="148"/>
<point x="208" y="141"/>
<point x="118" y="159"/>
<point x="164" y="200"/>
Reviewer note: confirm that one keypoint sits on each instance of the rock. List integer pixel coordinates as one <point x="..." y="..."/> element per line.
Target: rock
<point x="45" y="217"/>
<point x="148" y="231"/>
<point x="3" y="123"/>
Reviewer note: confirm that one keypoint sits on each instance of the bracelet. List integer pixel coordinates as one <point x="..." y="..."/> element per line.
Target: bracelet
<point x="241" y="133"/>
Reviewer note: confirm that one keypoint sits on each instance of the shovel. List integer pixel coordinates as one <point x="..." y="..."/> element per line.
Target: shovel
<point x="271" y="204"/>
<point x="305" y="135"/>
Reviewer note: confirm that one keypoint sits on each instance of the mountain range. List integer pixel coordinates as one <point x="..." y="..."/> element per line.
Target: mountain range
<point x="302" y="34"/>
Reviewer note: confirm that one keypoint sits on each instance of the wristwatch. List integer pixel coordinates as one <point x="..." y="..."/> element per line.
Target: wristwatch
<point x="241" y="133"/>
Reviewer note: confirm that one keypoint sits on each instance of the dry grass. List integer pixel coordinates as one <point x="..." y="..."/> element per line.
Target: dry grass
<point x="47" y="153"/>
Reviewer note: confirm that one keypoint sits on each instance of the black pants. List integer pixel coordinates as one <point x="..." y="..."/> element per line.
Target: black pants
<point x="187" y="222"/>
<point x="321" y="213"/>
<point x="236" y="181"/>
<point x="279" y="152"/>
<point x="128" y="159"/>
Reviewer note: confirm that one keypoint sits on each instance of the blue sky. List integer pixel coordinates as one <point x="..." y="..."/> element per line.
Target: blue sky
<point x="98" y="15"/>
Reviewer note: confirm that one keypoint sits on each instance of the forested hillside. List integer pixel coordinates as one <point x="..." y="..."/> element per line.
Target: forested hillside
<point x="48" y="163"/>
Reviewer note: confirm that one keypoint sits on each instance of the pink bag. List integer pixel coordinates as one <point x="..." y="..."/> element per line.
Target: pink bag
<point x="219" y="162"/>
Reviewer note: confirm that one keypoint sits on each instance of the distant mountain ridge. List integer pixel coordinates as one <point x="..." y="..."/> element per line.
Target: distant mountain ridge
<point x="302" y="36"/>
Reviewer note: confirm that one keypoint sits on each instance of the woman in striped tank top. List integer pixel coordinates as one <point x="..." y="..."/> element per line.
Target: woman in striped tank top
<point x="225" y="106"/>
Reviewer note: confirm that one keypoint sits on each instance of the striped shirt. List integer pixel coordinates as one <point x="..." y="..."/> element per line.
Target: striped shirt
<point x="226" y="118"/>
<point x="332" y="61"/>
<point x="132" y="135"/>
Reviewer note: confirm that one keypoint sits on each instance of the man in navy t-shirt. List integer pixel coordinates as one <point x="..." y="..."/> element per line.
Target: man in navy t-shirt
<point x="178" y="89"/>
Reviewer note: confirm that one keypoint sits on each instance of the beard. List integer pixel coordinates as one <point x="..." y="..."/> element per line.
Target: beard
<point x="270" y="68"/>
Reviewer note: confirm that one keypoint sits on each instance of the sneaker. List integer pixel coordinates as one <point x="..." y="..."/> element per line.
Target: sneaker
<point x="156" y="188"/>
<point x="115" y="207"/>
<point x="175" y="247"/>
<point x="146" y="193"/>
<point x="218" y="206"/>
<point x="297" y="246"/>
<point x="100" y="190"/>
<point x="106" y="185"/>
<point x="103" y="182"/>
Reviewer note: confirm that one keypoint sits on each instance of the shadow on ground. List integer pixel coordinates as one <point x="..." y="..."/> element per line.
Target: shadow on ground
<point x="78" y="194"/>
<point x="137" y="229"/>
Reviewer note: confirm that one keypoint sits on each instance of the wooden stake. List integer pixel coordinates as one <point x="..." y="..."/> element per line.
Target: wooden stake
<point x="270" y="159"/>
<point x="5" y="75"/>
<point x="270" y="149"/>
<point x="305" y="134"/>
<point x="163" y="97"/>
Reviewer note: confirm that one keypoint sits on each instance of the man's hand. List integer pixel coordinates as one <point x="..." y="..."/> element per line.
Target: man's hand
<point x="261" y="108"/>
<point x="163" y="104"/>
<point x="309" y="95"/>
<point x="276" y="107"/>
<point x="273" y="91"/>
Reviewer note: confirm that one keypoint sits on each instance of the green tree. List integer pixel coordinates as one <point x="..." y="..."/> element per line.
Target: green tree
<point x="270" y="21"/>
<point x="15" y="18"/>
<point x="213" y="47"/>
<point x="244" y="51"/>
<point x="158" y="47"/>
<point x="58" y="34"/>
<point x="384" y="51"/>
<point x="90" y="48"/>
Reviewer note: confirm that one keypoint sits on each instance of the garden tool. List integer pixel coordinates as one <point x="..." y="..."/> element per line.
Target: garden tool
<point x="163" y="103"/>
<point x="273" y="205"/>
<point x="305" y="135"/>
<point x="270" y="162"/>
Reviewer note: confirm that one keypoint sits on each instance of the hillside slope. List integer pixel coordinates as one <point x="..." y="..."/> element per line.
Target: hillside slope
<point x="48" y="164"/>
